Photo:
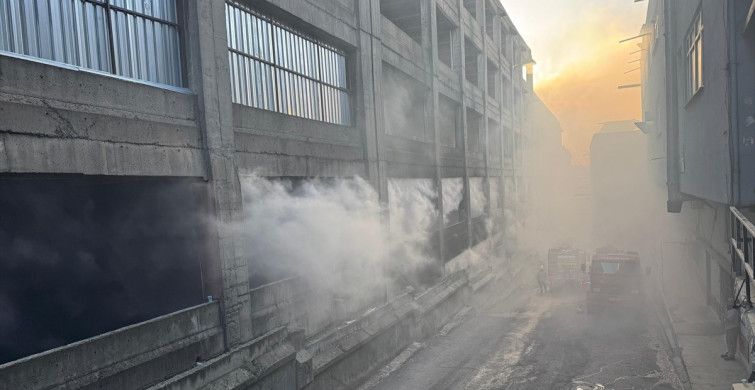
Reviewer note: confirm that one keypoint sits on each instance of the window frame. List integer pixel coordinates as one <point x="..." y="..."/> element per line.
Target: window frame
<point x="108" y="7"/>
<point x="452" y="35"/>
<point x="303" y="35"/>
<point x="693" y="44"/>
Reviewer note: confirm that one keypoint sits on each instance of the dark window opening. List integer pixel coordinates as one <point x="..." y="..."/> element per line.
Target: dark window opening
<point x="489" y="19"/>
<point x="494" y="140"/>
<point x="508" y="142"/>
<point x="445" y="35"/>
<point x="454" y="201"/>
<point x="506" y="92"/>
<point x="492" y="80"/>
<point x="518" y="143"/>
<point x="406" y="15"/>
<point x="504" y="43"/>
<point x="474" y="139"/>
<point x="471" y="62"/>
<point x="84" y="255"/>
<point x="448" y="121"/>
<point x="404" y="101"/>
<point x="471" y="7"/>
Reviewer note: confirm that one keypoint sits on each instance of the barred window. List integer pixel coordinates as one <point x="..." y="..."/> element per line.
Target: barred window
<point x="278" y="68"/>
<point x="130" y="38"/>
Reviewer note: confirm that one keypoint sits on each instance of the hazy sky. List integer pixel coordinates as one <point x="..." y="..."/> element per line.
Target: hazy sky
<point x="580" y="62"/>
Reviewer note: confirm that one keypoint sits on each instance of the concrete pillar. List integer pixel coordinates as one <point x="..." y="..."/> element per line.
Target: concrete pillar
<point x="464" y="103"/>
<point x="370" y="64"/>
<point x="432" y="8"/>
<point x="209" y="78"/>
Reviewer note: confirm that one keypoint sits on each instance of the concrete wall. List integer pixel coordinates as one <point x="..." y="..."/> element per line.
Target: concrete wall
<point x="654" y="92"/>
<point x="56" y="119"/>
<point x="128" y="358"/>
<point x="350" y="354"/>
<point x="713" y="132"/>
<point x="59" y="119"/>
<point x="704" y="117"/>
<point x="714" y="149"/>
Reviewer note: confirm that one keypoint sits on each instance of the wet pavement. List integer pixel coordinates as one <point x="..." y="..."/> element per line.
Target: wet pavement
<point x="523" y="340"/>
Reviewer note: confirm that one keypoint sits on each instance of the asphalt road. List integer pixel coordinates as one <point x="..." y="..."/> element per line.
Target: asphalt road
<point x="523" y="340"/>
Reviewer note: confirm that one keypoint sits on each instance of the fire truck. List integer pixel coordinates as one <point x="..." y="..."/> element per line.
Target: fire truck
<point x="563" y="266"/>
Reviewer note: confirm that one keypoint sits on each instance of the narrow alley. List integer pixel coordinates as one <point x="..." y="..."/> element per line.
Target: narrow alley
<point x="519" y="339"/>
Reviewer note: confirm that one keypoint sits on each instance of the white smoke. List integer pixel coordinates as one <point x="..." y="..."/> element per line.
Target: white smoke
<point x="478" y="200"/>
<point x="453" y="194"/>
<point x="411" y="204"/>
<point x="495" y="193"/>
<point x="334" y="233"/>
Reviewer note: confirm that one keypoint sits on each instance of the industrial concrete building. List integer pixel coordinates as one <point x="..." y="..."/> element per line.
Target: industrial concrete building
<point x="126" y="126"/>
<point x="697" y="92"/>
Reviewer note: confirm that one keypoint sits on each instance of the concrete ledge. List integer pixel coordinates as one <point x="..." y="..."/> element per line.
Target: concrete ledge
<point x="278" y="304"/>
<point x="442" y="291"/>
<point x="33" y="154"/>
<point x="270" y="360"/>
<point x="348" y="355"/>
<point x="397" y="41"/>
<point x="482" y="280"/>
<point x="128" y="358"/>
<point x="333" y="346"/>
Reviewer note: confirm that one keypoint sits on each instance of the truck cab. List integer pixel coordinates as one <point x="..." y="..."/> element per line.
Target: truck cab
<point x="616" y="279"/>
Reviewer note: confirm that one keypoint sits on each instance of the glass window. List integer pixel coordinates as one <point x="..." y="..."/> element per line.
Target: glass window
<point x="136" y="39"/>
<point x="694" y="43"/>
<point x="278" y="68"/>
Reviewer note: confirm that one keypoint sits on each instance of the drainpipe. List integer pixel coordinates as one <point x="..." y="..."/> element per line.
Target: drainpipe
<point x="733" y="107"/>
<point x="674" y="202"/>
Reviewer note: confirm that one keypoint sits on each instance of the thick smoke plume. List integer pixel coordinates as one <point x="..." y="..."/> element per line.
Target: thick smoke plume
<point x="337" y="234"/>
<point x="453" y="194"/>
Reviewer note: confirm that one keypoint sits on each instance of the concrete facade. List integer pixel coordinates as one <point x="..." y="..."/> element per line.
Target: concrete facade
<point x="58" y="119"/>
<point x="699" y="137"/>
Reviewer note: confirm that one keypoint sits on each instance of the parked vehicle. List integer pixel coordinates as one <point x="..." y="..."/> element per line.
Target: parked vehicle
<point x="616" y="279"/>
<point x="563" y="266"/>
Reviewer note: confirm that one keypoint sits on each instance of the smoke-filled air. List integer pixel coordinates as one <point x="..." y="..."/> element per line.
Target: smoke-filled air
<point x="377" y="194"/>
<point x="338" y="236"/>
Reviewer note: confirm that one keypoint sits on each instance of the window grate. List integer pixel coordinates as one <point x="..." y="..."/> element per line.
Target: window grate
<point x="275" y="67"/>
<point x="135" y="39"/>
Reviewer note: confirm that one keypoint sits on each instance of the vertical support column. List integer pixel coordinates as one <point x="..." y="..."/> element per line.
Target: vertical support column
<point x="370" y="63"/>
<point x="432" y="8"/>
<point x="747" y="250"/>
<point x="708" y="284"/>
<point x="209" y="77"/>
<point x="736" y="244"/>
<point x="371" y="119"/>
<point x="485" y="125"/>
<point x="464" y="103"/>
<point x="436" y="139"/>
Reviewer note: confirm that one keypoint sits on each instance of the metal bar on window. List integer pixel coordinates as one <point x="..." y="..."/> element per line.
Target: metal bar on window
<point x="97" y="34"/>
<point x="110" y="35"/>
<point x="296" y="74"/>
<point x="284" y="69"/>
<point x="109" y="5"/>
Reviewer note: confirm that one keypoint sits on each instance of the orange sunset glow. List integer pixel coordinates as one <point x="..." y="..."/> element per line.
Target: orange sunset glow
<point x="580" y="62"/>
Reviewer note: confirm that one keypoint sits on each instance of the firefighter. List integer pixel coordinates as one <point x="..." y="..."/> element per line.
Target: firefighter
<point x="542" y="280"/>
